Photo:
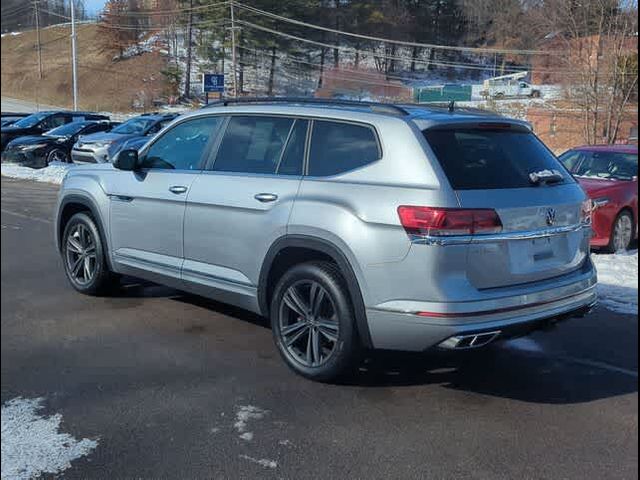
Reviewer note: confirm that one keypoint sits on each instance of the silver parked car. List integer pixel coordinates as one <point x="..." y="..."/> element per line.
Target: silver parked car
<point x="352" y="226"/>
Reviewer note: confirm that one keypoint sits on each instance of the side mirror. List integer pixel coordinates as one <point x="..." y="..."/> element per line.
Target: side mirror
<point x="127" y="160"/>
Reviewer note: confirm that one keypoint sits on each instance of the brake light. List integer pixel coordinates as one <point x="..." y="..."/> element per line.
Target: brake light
<point x="448" y="221"/>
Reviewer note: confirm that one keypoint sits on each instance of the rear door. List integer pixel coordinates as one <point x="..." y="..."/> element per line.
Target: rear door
<point x="241" y="204"/>
<point x="489" y="167"/>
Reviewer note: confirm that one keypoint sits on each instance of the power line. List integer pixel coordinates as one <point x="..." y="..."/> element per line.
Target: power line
<point x="171" y="12"/>
<point x="386" y="40"/>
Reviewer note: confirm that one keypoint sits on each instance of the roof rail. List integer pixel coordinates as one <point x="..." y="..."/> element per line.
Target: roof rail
<point x="374" y="106"/>
<point x="450" y="107"/>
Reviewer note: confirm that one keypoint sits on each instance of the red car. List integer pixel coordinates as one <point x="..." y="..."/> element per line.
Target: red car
<point x="609" y="175"/>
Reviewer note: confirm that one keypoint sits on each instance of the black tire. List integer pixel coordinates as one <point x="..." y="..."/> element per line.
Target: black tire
<point x="101" y="280"/>
<point x="57" y="154"/>
<point x="612" y="247"/>
<point x="345" y="354"/>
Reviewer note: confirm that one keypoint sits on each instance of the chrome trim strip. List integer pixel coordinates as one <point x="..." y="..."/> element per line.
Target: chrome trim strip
<point x="132" y="261"/>
<point x="499" y="237"/>
<point x="587" y="292"/>
<point x="206" y="276"/>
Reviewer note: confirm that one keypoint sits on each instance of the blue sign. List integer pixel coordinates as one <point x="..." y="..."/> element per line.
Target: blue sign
<point x="213" y="83"/>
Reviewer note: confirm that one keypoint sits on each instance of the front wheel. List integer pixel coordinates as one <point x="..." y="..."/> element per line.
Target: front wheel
<point x="622" y="233"/>
<point x="83" y="254"/>
<point x="57" y="155"/>
<point x="313" y="322"/>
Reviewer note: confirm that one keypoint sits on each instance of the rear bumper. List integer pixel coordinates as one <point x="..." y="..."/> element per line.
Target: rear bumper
<point x="418" y="326"/>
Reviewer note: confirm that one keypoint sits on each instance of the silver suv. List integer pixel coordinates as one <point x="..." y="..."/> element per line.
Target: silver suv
<point x="352" y="226"/>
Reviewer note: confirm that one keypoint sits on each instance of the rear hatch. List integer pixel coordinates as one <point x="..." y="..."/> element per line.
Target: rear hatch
<point x="505" y="168"/>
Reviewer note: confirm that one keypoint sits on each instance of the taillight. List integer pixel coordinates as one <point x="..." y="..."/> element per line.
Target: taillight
<point x="448" y="221"/>
<point x="587" y="211"/>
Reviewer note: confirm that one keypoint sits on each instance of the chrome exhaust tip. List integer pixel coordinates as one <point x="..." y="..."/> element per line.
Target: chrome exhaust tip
<point x="466" y="342"/>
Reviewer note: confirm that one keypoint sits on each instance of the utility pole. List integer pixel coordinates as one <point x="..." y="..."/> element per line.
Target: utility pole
<point x="233" y="53"/>
<point x="36" y="5"/>
<point x="187" y="80"/>
<point x="74" y="53"/>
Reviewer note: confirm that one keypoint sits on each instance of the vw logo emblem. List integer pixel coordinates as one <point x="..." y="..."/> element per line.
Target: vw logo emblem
<point x="551" y="217"/>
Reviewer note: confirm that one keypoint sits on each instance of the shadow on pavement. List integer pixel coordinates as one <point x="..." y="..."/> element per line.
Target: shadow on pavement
<point x="537" y="377"/>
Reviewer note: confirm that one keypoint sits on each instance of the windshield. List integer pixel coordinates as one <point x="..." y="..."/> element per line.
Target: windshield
<point x="605" y="165"/>
<point x="481" y="159"/>
<point x="31" y="120"/>
<point x="67" y="130"/>
<point x="134" y="126"/>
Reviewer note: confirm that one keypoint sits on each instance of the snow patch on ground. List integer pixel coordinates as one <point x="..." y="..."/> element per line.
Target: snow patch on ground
<point x="13" y="34"/>
<point x="243" y="415"/>
<point x="618" y="281"/>
<point x="54" y="173"/>
<point x="32" y="445"/>
<point x="263" y="462"/>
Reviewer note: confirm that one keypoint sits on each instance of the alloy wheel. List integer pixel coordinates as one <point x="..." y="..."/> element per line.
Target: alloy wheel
<point x="81" y="255"/>
<point x="622" y="233"/>
<point x="57" y="156"/>
<point x="309" y="328"/>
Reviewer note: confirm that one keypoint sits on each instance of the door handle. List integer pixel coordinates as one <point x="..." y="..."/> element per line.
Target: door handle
<point x="178" y="189"/>
<point x="266" y="197"/>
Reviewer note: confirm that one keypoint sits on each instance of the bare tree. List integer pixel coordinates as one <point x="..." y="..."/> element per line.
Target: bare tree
<point x="599" y="55"/>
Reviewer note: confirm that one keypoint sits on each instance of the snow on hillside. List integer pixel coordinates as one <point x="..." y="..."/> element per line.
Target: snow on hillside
<point x="618" y="281"/>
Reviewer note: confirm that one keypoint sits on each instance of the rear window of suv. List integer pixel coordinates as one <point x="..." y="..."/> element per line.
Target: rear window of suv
<point x="480" y="159"/>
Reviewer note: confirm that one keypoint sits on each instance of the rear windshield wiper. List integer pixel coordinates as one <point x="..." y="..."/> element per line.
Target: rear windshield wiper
<point x="546" y="177"/>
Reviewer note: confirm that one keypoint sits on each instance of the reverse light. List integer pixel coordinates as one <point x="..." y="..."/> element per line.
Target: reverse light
<point x="429" y="221"/>
<point x="588" y="207"/>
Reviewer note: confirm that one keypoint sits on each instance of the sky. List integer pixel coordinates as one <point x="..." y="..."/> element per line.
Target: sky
<point x="94" y="6"/>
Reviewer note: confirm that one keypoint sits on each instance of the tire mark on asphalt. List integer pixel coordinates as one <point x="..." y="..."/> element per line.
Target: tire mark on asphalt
<point x="26" y="217"/>
<point x="601" y="365"/>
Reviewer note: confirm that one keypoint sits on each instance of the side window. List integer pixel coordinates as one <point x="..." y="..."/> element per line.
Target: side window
<point x="55" y="121"/>
<point x="182" y="147"/>
<point x="157" y="127"/>
<point x="571" y="160"/>
<point x="340" y="147"/>
<point x="253" y="144"/>
<point x="92" y="129"/>
<point x="293" y="157"/>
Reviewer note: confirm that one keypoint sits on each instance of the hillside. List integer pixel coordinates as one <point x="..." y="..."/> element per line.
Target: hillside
<point x="102" y="83"/>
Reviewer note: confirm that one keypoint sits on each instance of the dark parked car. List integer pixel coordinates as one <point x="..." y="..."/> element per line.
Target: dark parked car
<point x="9" y="118"/>
<point x="38" y="151"/>
<point x="102" y="147"/>
<point x="41" y="122"/>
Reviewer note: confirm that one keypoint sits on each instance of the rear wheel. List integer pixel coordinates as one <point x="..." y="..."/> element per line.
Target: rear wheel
<point x="83" y="254"/>
<point x="313" y="322"/>
<point x="622" y="233"/>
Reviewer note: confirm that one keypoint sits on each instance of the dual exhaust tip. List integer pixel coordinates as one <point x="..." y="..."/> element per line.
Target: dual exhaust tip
<point x="465" y="342"/>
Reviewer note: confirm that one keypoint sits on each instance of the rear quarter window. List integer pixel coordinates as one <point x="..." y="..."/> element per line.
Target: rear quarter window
<point x="480" y="159"/>
<point x="340" y="147"/>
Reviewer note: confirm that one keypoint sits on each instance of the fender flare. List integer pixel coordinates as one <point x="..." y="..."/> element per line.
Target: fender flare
<point x="91" y="206"/>
<point x="328" y="248"/>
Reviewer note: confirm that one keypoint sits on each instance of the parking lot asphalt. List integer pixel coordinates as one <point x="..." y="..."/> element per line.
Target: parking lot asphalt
<point x="160" y="380"/>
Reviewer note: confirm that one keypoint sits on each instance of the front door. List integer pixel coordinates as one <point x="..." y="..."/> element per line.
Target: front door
<point x="148" y="205"/>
